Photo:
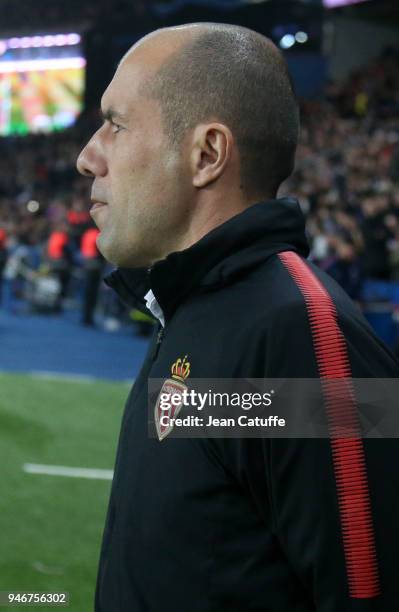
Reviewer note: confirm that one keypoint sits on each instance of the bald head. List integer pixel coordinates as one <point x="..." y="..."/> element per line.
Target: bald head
<point x="158" y="46"/>
<point x="206" y="71"/>
<point x="200" y="122"/>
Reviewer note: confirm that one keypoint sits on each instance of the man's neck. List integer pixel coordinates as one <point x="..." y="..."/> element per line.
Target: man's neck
<point x="208" y="215"/>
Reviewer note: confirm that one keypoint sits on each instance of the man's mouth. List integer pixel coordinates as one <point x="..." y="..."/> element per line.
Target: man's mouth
<point x="97" y="205"/>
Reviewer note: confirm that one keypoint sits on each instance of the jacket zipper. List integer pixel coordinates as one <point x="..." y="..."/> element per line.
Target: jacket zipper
<point x="157" y="345"/>
<point x="160" y="334"/>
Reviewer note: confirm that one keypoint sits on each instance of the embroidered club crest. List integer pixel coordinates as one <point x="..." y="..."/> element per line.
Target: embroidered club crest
<point x="166" y="410"/>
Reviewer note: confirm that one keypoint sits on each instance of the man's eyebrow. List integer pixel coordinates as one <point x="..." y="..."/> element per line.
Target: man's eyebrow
<point x="110" y="113"/>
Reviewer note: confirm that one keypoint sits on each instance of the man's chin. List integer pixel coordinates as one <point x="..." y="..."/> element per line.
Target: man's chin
<point x="107" y="251"/>
<point x="119" y="258"/>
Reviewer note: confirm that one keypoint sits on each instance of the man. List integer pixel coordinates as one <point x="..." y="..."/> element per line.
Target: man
<point x="200" y="128"/>
<point x="93" y="265"/>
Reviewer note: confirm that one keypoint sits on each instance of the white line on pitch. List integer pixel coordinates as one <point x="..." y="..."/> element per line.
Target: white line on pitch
<point x="59" y="376"/>
<point x="61" y="470"/>
<point x="44" y="375"/>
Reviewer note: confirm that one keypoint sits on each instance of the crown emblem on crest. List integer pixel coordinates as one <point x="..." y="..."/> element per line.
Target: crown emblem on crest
<point x="180" y="369"/>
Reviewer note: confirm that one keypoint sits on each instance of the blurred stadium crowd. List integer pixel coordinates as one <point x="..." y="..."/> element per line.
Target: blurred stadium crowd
<point x="48" y="256"/>
<point x="347" y="176"/>
<point x="346" y="180"/>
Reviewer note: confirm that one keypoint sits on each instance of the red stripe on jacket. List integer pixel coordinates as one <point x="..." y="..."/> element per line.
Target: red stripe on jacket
<point x="342" y="415"/>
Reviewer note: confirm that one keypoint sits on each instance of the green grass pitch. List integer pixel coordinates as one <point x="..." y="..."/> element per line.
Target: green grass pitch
<point x="51" y="526"/>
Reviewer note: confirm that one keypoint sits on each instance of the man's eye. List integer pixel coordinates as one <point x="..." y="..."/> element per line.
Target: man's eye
<point x="115" y="128"/>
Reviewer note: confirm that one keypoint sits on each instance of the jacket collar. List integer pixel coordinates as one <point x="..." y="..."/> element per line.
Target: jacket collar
<point x="230" y="249"/>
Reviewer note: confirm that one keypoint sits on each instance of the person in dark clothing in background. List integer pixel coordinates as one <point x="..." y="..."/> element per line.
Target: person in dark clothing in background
<point x="345" y="268"/>
<point x="375" y="235"/>
<point x="93" y="265"/>
<point x="59" y="257"/>
<point x="200" y="129"/>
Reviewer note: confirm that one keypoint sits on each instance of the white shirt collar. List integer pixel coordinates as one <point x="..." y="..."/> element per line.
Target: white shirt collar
<point x="154" y="307"/>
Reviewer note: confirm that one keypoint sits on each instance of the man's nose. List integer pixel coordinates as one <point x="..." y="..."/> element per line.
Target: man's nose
<point x="90" y="161"/>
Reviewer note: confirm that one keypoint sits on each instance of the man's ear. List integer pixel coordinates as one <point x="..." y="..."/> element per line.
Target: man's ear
<point x="211" y="150"/>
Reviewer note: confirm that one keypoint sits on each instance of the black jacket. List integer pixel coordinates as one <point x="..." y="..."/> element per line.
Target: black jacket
<point x="245" y="525"/>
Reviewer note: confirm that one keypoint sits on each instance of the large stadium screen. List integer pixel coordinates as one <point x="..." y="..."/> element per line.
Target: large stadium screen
<point x="41" y="83"/>
<point x="334" y="3"/>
